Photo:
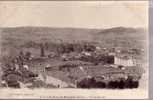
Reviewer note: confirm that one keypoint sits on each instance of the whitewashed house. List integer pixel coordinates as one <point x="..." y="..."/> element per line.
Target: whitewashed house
<point x="124" y="61"/>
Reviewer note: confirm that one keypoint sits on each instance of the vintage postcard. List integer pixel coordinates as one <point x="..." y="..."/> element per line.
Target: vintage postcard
<point x="74" y="50"/>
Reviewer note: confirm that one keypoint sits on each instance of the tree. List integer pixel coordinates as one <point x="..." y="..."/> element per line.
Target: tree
<point x="28" y="55"/>
<point x="42" y="50"/>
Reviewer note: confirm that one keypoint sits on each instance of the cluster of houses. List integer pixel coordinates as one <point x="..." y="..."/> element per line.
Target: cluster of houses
<point x="89" y="55"/>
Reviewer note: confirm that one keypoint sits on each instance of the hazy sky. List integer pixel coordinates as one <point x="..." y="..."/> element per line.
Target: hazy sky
<point x="94" y="14"/>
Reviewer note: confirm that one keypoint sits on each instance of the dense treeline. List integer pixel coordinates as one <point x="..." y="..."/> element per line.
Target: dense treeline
<point x="112" y="84"/>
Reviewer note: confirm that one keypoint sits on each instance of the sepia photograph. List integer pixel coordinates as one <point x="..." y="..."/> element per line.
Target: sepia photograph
<point x="74" y="49"/>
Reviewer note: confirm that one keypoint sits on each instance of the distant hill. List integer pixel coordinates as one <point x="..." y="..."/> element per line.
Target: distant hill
<point x="121" y="30"/>
<point x="122" y="37"/>
<point x="117" y="36"/>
